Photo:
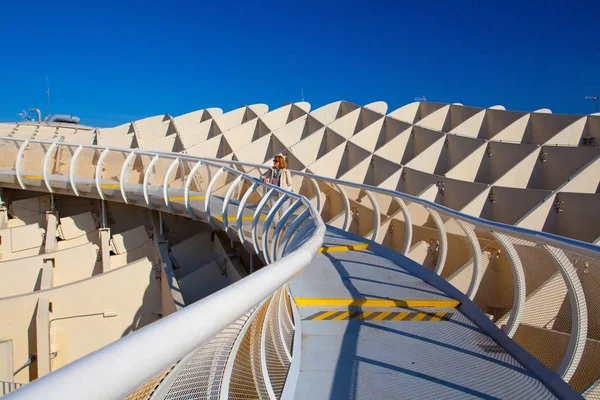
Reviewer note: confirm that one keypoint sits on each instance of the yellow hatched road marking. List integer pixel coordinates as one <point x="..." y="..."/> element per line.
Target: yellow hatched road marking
<point x="438" y="303"/>
<point x="342" y="316"/>
<point x="400" y="316"/>
<point x="438" y="316"/>
<point x="382" y="316"/>
<point x="323" y="316"/>
<point x="347" y="247"/>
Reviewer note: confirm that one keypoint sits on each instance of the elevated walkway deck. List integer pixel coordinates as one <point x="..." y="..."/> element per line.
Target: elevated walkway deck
<point x="372" y="330"/>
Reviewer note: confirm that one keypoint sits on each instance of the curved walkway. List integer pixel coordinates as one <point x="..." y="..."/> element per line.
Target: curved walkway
<point x="372" y="330"/>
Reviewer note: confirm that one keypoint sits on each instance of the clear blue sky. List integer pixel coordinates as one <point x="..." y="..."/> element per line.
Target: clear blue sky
<point x="110" y="62"/>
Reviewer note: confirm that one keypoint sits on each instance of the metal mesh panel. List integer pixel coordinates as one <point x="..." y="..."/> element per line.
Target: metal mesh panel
<point x="246" y="378"/>
<point x="496" y="289"/>
<point x="147" y="389"/>
<point x="459" y="255"/>
<point x="587" y="373"/>
<point x="276" y="359"/>
<point x="200" y="374"/>
<point x="286" y="322"/>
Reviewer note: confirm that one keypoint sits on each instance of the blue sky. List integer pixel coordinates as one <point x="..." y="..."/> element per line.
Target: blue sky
<point x="113" y="62"/>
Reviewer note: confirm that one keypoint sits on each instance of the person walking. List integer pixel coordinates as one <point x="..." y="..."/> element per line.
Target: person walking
<point x="280" y="176"/>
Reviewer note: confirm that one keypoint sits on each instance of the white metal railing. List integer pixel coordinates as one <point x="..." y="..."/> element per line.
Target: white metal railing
<point x="119" y="368"/>
<point x="572" y="267"/>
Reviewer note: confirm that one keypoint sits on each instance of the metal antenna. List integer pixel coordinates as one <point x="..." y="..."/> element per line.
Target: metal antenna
<point x="423" y="98"/>
<point x="48" y="93"/>
<point x="594" y="97"/>
<point x="302" y="95"/>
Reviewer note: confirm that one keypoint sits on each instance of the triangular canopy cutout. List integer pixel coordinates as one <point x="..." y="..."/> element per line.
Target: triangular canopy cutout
<point x="255" y="152"/>
<point x="213" y="130"/>
<point x="312" y="125"/>
<point x="248" y="115"/>
<point x="231" y="119"/>
<point x="305" y="149"/>
<point x="274" y="148"/>
<point x="570" y="136"/>
<point x="208" y="148"/>
<point x="351" y="157"/>
<point x="379" y="170"/>
<point x="328" y="164"/>
<point x="591" y="132"/>
<point x="559" y="164"/>
<point x="413" y="182"/>
<point x="542" y="127"/>
<point x="436" y="120"/>
<point x="458" y="115"/>
<point x="394" y="150"/>
<point x="499" y="158"/>
<point x="277" y="118"/>
<point x="210" y="113"/>
<point x="513" y="132"/>
<point x="456" y="149"/>
<point x="346" y="125"/>
<point x="297" y="111"/>
<point x="509" y="205"/>
<point x="330" y="141"/>
<point x="326" y="114"/>
<point x="292" y="161"/>
<point x="291" y="133"/>
<point x="407" y="113"/>
<point x="260" y="130"/>
<point x="346" y="108"/>
<point x="471" y="127"/>
<point x="224" y="148"/>
<point x="365" y="119"/>
<point x="496" y="121"/>
<point x="456" y="194"/>
<point x="419" y="139"/>
<point x="427" y="108"/>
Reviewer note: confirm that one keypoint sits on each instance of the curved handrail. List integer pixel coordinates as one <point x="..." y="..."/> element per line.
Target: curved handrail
<point x="186" y="330"/>
<point x="543" y="239"/>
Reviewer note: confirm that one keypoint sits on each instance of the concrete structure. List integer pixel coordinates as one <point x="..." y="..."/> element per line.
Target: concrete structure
<point x="84" y="263"/>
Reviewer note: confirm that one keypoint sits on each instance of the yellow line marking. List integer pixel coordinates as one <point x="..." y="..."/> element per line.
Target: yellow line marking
<point x="419" y="317"/>
<point x="349" y="247"/>
<point x="32" y="176"/>
<point x="342" y="316"/>
<point x="381" y="316"/>
<point x="182" y="198"/>
<point x="438" y="303"/>
<point x="400" y="316"/>
<point x="438" y="315"/>
<point x="323" y="316"/>
<point x="110" y="186"/>
<point x="366" y="314"/>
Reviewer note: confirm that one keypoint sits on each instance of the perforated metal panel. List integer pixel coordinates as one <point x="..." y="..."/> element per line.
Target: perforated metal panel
<point x="199" y="375"/>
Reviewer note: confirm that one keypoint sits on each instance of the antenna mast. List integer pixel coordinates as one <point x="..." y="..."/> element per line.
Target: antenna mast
<point x="302" y="94"/>
<point x="48" y="93"/>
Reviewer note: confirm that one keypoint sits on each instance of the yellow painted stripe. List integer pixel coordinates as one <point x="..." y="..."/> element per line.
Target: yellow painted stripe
<point x="438" y="316"/>
<point x="32" y="176"/>
<point x="419" y="317"/>
<point x="400" y="316"/>
<point x="110" y="186"/>
<point x="438" y="303"/>
<point x="381" y="316"/>
<point x="348" y="247"/>
<point x="182" y="198"/>
<point x="323" y="316"/>
<point x="342" y="316"/>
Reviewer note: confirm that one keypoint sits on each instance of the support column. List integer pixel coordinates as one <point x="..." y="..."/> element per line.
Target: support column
<point x="42" y="322"/>
<point x="105" y="248"/>
<point x="51" y="226"/>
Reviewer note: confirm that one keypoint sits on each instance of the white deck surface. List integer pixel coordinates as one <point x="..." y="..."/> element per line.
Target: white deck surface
<point x="368" y="359"/>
